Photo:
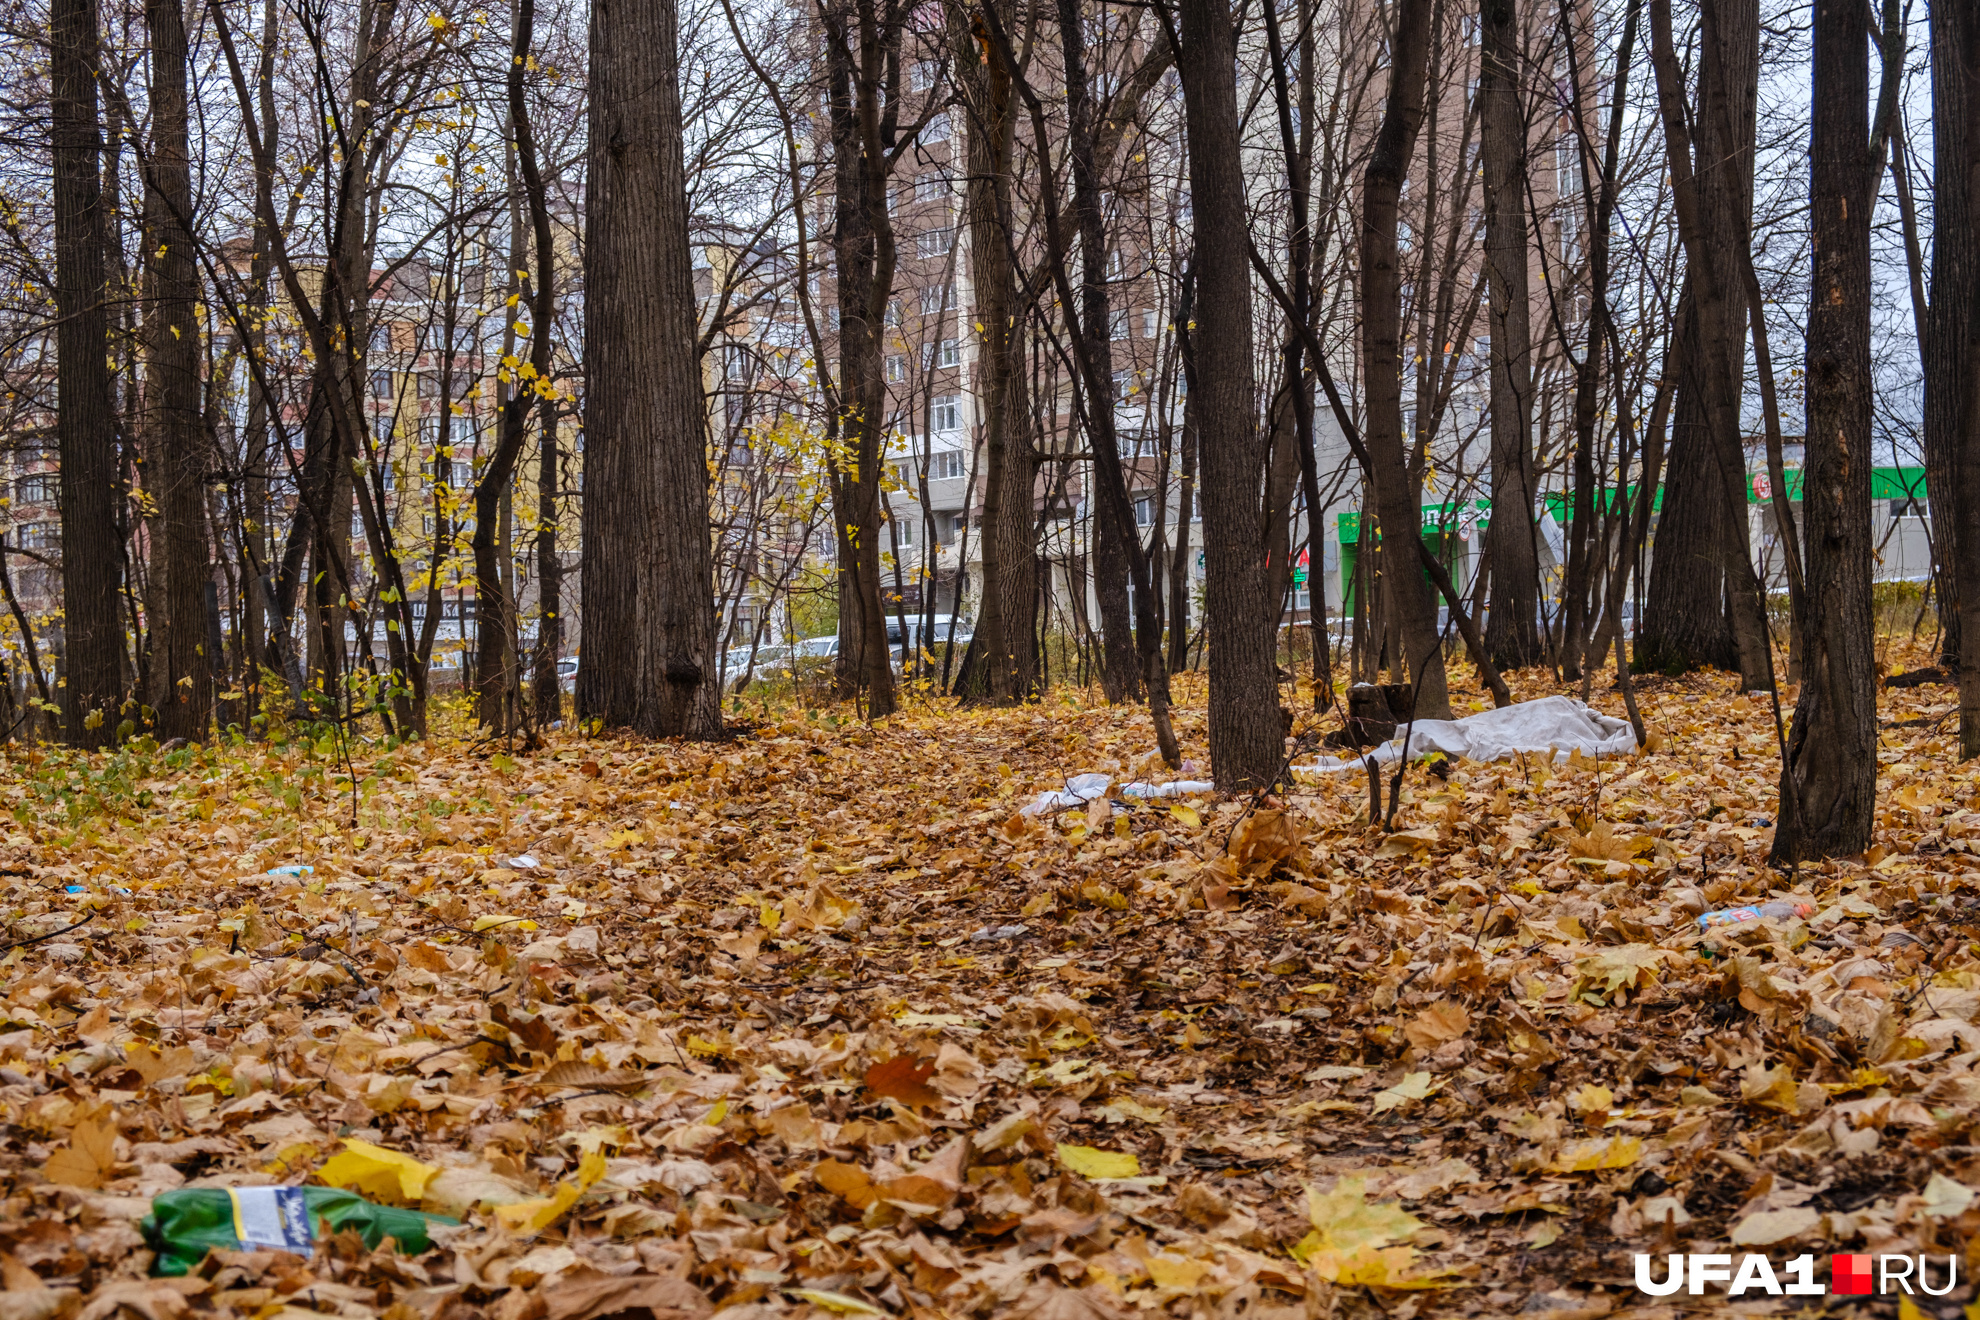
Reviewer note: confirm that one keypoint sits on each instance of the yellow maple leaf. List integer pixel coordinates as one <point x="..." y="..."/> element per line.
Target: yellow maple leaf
<point x="1092" y="1162"/>
<point x="385" y="1175"/>
<point x="1355" y="1243"/>
<point x="537" y="1215"/>
<point x="1596" y="1153"/>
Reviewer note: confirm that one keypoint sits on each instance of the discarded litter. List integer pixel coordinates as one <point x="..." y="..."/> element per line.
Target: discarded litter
<point x="999" y="932"/>
<point x="1082" y="789"/>
<point x="84" y="889"/>
<point x="1778" y="910"/>
<point x="293" y="870"/>
<point x="186" y="1224"/>
<point x="522" y="862"/>
<point x="1559" y="726"/>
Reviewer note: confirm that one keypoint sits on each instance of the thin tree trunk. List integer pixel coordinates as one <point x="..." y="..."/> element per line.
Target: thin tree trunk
<point x="1179" y="574"/>
<point x="547" y="690"/>
<point x="1398" y="505"/>
<point x="1001" y="665"/>
<point x="1829" y="781"/>
<point x="1512" y="632"/>
<point x="176" y="456"/>
<point x="497" y="666"/>
<point x="862" y="50"/>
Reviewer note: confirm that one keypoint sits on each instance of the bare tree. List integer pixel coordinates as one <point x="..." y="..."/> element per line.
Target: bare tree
<point x="85" y="418"/>
<point x="649" y="618"/>
<point x="1398" y="502"/>
<point x="1952" y="325"/>
<point x="1829" y="773"/>
<point x="1247" y="727"/>
<point x="1512" y="633"/>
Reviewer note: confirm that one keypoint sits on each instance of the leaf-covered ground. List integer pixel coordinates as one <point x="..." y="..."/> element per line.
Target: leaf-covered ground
<point x="816" y="1022"/>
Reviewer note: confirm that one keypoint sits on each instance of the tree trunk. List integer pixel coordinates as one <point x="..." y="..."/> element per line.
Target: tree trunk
<point x="860" y="47"/>
<point x="1512" y="632"/>
<point x="1179" y="566"/>
<point x="1133" y="654"/>
<point x="1685" y="625"/>
<point x="1246" y="729"/>
<point x="649" y="608"/>
<point x="498" y="676"/>
<point x="1952" y="389"/>
<point x="1713" y="198"/>
<point x="85" y="418"/>
<point x="1952" y="343"/>
<point x="1002" y="661"/>
<point x="174" y="428"/>
<point x="1398" y="504"/>
<point x="1828" y="791"/>
<point x="547" y="689"/>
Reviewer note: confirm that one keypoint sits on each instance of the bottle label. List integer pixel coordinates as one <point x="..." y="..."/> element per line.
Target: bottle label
<point x="271" y="1218"/>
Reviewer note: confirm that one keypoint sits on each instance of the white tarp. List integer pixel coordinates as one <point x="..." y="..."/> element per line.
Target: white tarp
<point x="1560" y="725"/>
<point x="1082" y="789"/>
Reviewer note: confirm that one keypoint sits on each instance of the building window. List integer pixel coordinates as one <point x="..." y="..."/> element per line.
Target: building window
<point x="40" y="536"/>
<point x="950" y="354"/>
<point x="931" y="187"/>
<point x="1150" y="326"/>
<point x="381" y="337"/>
<point x="1144" y="510"/>
<point x="922" y="75"/>
<point x="1117" y="324"/>
<point x="897" y="367"/>
<point x="832" y="320"/>
<point x="937" y="129"/>
<point x="381" y="384"/>
<point x="945" y="465"/>
<point x="934" y="242"/>
<point x="934" y="299"/>
<point x="429" y="385"/>
<point x="947" y="413"/>
<point x="903" y="528"/>
<point x="37" y="489"/>
<point x="1909" y="506"/>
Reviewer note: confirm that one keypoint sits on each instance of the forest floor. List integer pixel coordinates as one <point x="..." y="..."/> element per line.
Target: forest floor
<point x="815" y="1021"/>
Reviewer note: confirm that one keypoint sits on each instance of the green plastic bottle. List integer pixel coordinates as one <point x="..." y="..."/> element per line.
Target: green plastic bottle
<point x="184" y="1225"/>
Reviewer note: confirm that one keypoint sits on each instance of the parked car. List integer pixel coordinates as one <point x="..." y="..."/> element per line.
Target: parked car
<point x="771" y="662"/>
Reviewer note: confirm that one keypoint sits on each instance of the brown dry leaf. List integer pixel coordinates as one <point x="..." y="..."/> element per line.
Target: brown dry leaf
<point x="575" y="1072"/>
<point x="847" y="1180"/>
<point x="1602" y="843"/>
<point x="1263" y="840"/>
<point x="1442" y="1022"/>
<point x="89" y="1158"/>
<point x="632" y="1297"/>
<point x="904" y="1079"/>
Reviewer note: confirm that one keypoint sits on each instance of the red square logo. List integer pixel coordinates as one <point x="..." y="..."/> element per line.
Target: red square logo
<point x="1849" y="1274"/>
